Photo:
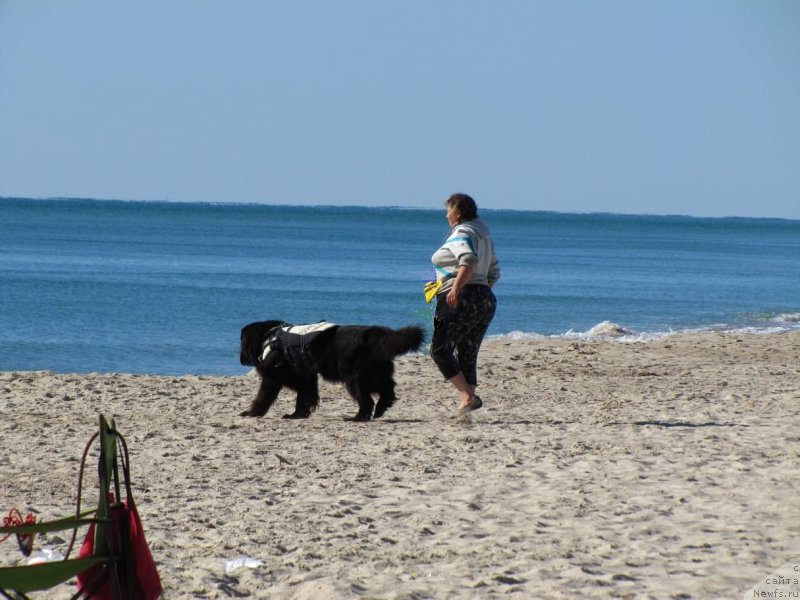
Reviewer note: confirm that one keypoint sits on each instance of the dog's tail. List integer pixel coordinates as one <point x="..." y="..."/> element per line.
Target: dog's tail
<point x="388" y="343"/>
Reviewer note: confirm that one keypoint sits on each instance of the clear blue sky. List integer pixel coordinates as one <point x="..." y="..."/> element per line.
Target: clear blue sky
<point x="681" y="107"/>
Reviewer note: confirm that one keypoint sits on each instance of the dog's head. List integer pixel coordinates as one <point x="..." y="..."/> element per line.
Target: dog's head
<point x="251" y="340"/>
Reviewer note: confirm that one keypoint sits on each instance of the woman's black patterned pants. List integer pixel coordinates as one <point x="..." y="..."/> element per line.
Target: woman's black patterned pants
<point x="458" y="332"/>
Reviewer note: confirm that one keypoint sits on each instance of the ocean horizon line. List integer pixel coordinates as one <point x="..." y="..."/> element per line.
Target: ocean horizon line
<point x="216" y="203"/>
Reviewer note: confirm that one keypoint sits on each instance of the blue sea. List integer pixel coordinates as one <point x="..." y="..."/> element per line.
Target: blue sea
<point x="164" y="288"/>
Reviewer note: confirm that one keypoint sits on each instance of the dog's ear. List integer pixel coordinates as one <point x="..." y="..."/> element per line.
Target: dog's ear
<point x="250" y="344"/>
<point x="246" y="356"/>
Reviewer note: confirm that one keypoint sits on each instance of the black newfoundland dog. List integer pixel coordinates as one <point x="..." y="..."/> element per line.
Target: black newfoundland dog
<point x="361" y="356"/>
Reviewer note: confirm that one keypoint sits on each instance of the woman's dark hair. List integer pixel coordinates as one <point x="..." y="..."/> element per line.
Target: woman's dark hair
<point x="464" y="205"/>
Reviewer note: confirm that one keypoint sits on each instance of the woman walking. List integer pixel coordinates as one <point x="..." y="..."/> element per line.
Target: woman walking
<point x="467" y="269"/>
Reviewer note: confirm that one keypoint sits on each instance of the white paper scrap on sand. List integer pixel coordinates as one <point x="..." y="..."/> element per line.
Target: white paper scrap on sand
<point x="241" y="562"/>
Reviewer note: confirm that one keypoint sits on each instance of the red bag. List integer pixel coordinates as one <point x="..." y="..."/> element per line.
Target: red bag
<point x="138" y="576"/>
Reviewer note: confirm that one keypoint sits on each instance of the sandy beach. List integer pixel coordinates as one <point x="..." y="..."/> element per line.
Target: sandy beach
<point x="667" y="469"/>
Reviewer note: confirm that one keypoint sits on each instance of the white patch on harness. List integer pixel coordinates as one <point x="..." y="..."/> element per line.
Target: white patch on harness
<point x="306" y="329"/>
<point x="297" y="330"/>
<point x="265" y="353"/>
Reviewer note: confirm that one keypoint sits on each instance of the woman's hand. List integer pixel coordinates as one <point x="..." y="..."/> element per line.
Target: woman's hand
<point x="463" y="276"/>
<point x="452" y="297"/>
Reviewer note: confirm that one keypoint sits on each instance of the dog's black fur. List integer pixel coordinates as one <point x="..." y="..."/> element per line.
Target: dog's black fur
<point x="361" y="356"/>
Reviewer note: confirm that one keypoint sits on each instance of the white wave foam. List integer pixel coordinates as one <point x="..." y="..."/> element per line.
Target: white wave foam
<point x="787" y="318"/>
<point x="610" y="331"/>
<point x="605" y="331"/>
<point x="522" y="335"/>
<point x="759" y="330"/>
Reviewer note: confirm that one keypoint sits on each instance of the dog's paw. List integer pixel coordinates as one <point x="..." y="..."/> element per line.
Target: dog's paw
<point x="297" y="415"/>
<point x="359" y="418"/>
<point x="381" y="408"/>
<point x="251" y="413"/>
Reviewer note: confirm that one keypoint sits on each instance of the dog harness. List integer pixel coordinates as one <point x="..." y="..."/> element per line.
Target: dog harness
<point x="292" y="341"/>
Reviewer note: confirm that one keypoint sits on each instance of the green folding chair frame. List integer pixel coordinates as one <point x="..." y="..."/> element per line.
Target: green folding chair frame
<point x="17" y="581"/>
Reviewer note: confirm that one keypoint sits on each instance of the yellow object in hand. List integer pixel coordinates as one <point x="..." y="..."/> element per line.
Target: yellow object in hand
<point x="431" y="288"/>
